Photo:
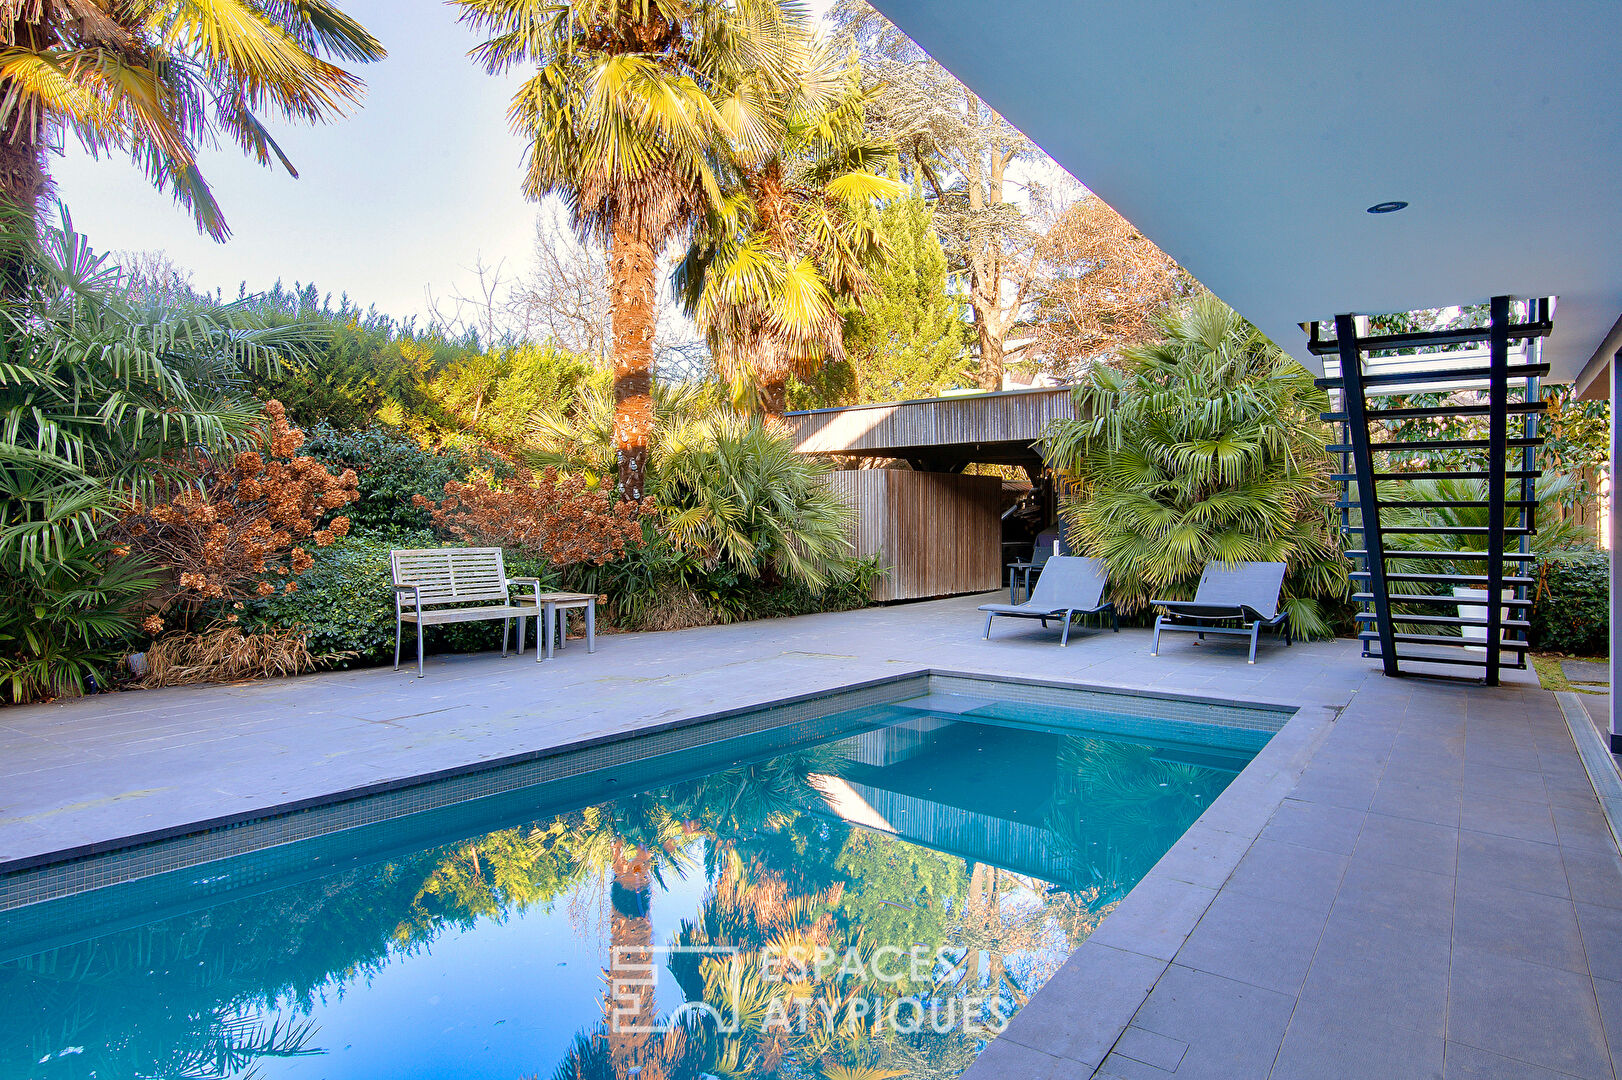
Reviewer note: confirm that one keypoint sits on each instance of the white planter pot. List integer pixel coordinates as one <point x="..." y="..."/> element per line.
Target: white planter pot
<point x="1479" y="611"/>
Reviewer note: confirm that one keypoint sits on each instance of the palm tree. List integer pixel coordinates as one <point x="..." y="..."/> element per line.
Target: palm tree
<point x="767" y="272"/>
<point x="623" y="126"/>
<point x="739" y="495"/>
<point x="1206" y="446"/>
<point x="158" y="79"/>
<point x="104" y="396"/>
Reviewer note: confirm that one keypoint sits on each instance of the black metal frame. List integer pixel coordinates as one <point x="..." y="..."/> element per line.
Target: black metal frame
<point x="1368" y="497"/>
<point x="1251" y="624"/>
<point x="1067" y="614"/>
<point x="1497" y="441"/>
<point x="1357" y="451"/>
<point x="1541" y="325"/>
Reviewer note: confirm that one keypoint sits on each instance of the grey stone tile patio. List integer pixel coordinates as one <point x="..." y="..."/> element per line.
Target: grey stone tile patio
<point x="1424" y="887"/>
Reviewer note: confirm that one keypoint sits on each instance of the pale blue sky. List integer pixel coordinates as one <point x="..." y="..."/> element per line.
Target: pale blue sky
<point x="403" y="196"/>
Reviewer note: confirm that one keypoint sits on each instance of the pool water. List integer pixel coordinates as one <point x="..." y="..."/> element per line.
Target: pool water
<point x="875" y="904"/>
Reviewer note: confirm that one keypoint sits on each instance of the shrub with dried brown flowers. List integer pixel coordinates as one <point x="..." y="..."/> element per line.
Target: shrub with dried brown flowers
<point x="555" y="514"/>
<point x="242" y="529"/>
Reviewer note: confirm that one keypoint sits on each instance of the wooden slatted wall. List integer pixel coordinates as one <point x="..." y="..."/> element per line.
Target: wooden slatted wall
<point x="1011" y="416"/>
<point x="940" y="533"/>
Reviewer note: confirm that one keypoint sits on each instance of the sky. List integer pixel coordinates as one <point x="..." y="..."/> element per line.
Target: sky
<point x="394" y="204"/>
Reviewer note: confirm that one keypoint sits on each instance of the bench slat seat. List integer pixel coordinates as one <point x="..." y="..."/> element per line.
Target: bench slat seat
<point x="470" y="614"/>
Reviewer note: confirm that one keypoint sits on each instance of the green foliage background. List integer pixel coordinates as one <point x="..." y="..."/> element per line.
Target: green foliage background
<point x="1205" y="447"/>
<point x="909" y="337"/>
<point x="1571" y="604"/>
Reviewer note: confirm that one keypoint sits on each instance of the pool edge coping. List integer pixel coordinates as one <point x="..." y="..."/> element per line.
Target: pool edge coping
<point x="1118" y="966"/>
<point x="1598" y="761"/>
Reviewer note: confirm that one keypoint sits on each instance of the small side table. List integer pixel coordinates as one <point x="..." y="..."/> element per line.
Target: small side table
<point x="554" y="610"/>
<point x="1018" y="573"/>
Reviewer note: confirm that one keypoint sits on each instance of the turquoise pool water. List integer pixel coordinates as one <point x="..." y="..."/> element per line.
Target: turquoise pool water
<point x="878" y="900"/>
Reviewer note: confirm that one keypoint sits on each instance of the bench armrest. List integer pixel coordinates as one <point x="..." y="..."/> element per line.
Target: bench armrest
<point x="533" y="583"/>
<point x="416" y="596"/>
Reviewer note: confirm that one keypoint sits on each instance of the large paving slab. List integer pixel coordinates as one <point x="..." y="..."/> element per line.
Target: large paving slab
<point x="1438" y="896"/>
<point x="1425" y="887"/>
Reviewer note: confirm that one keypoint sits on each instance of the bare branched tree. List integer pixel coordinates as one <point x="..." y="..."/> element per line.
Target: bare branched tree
<point x="486" y="312"/>
<point x="564" y="296"/>
<point x="1098" y="286"/>
<point x="562" y="299"/>
<point x="155" y="276"/>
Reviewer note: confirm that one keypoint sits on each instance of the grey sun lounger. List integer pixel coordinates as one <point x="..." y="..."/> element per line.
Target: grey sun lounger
<point x="1069" y="586"/>
<point x="1246" y="594"/>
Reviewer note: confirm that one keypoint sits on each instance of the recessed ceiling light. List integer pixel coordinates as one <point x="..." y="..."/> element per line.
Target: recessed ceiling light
<point x="1388" y="207"/>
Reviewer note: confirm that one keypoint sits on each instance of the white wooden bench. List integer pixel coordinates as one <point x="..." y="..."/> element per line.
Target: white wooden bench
<point x="434" y="586"/>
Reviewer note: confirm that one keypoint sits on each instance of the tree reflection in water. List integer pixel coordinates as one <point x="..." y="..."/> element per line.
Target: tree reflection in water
<point x="218" y="991"/>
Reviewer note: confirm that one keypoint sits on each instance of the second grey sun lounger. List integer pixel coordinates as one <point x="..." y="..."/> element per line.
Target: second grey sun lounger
<point x="1240" y="600"/>
<point x="1069" y="586"/>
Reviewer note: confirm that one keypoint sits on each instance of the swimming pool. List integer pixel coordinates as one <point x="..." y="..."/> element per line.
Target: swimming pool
<point x="876" y="886"/>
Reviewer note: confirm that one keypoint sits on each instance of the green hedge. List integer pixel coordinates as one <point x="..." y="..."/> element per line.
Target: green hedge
<point x="1571" y="605"/>
<point x="345" y="602"/>
<point x="392" y="467"/>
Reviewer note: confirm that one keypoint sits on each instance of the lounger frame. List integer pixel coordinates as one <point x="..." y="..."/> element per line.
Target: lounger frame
<point x="1222" y="613"/>
<point x="1066" y="614"/>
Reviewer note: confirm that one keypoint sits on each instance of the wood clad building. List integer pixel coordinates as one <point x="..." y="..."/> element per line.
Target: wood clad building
<point x="938" y="434"/>
<point x="940" y="533"/>
<point x="939" y="530"/>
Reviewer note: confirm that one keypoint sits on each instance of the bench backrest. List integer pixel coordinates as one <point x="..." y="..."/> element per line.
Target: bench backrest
<point x="451" y="575"/>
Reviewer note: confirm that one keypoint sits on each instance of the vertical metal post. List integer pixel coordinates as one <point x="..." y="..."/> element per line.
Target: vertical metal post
<point x="1497" y="466"/>
<point x="1368" y="502"/>
<point x="1613" y="525"/>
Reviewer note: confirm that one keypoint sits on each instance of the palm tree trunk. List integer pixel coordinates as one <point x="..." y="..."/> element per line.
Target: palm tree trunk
<point x="632" y="314"/>
<point x="629" y="1005"/>
<point x="24" y="183"/>
<point x="774" y="396"/>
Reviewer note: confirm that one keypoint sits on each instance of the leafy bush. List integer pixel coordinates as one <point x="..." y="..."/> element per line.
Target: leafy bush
<point x="657" y="587"/>
<point x="393" y="468"/>
<point x="238" y="529"/>
<point x="66" y="623"/>
<point x="1571" y="610"/>
<point x="104" y="397"/>
<point x="849" y="586"/>
<point x="545" y="513"/>
<point x="495" y="394"/>
<point x="346" y="605"/>
<point x="739" y="497"/>
<point x="1205" y="447"/>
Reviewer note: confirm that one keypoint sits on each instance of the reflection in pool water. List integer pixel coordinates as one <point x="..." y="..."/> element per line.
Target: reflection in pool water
<point x="867" y="907"/>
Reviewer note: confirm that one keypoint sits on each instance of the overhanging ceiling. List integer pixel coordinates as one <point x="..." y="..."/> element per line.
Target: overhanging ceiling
<point x="1247" y="138"/>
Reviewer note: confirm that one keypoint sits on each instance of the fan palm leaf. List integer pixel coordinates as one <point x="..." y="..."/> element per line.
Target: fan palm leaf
<point x="764" y="278"/>
<point x="1205" y="446"/>
<point x="631" y="106"/>
<point x="159" y="80"/>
